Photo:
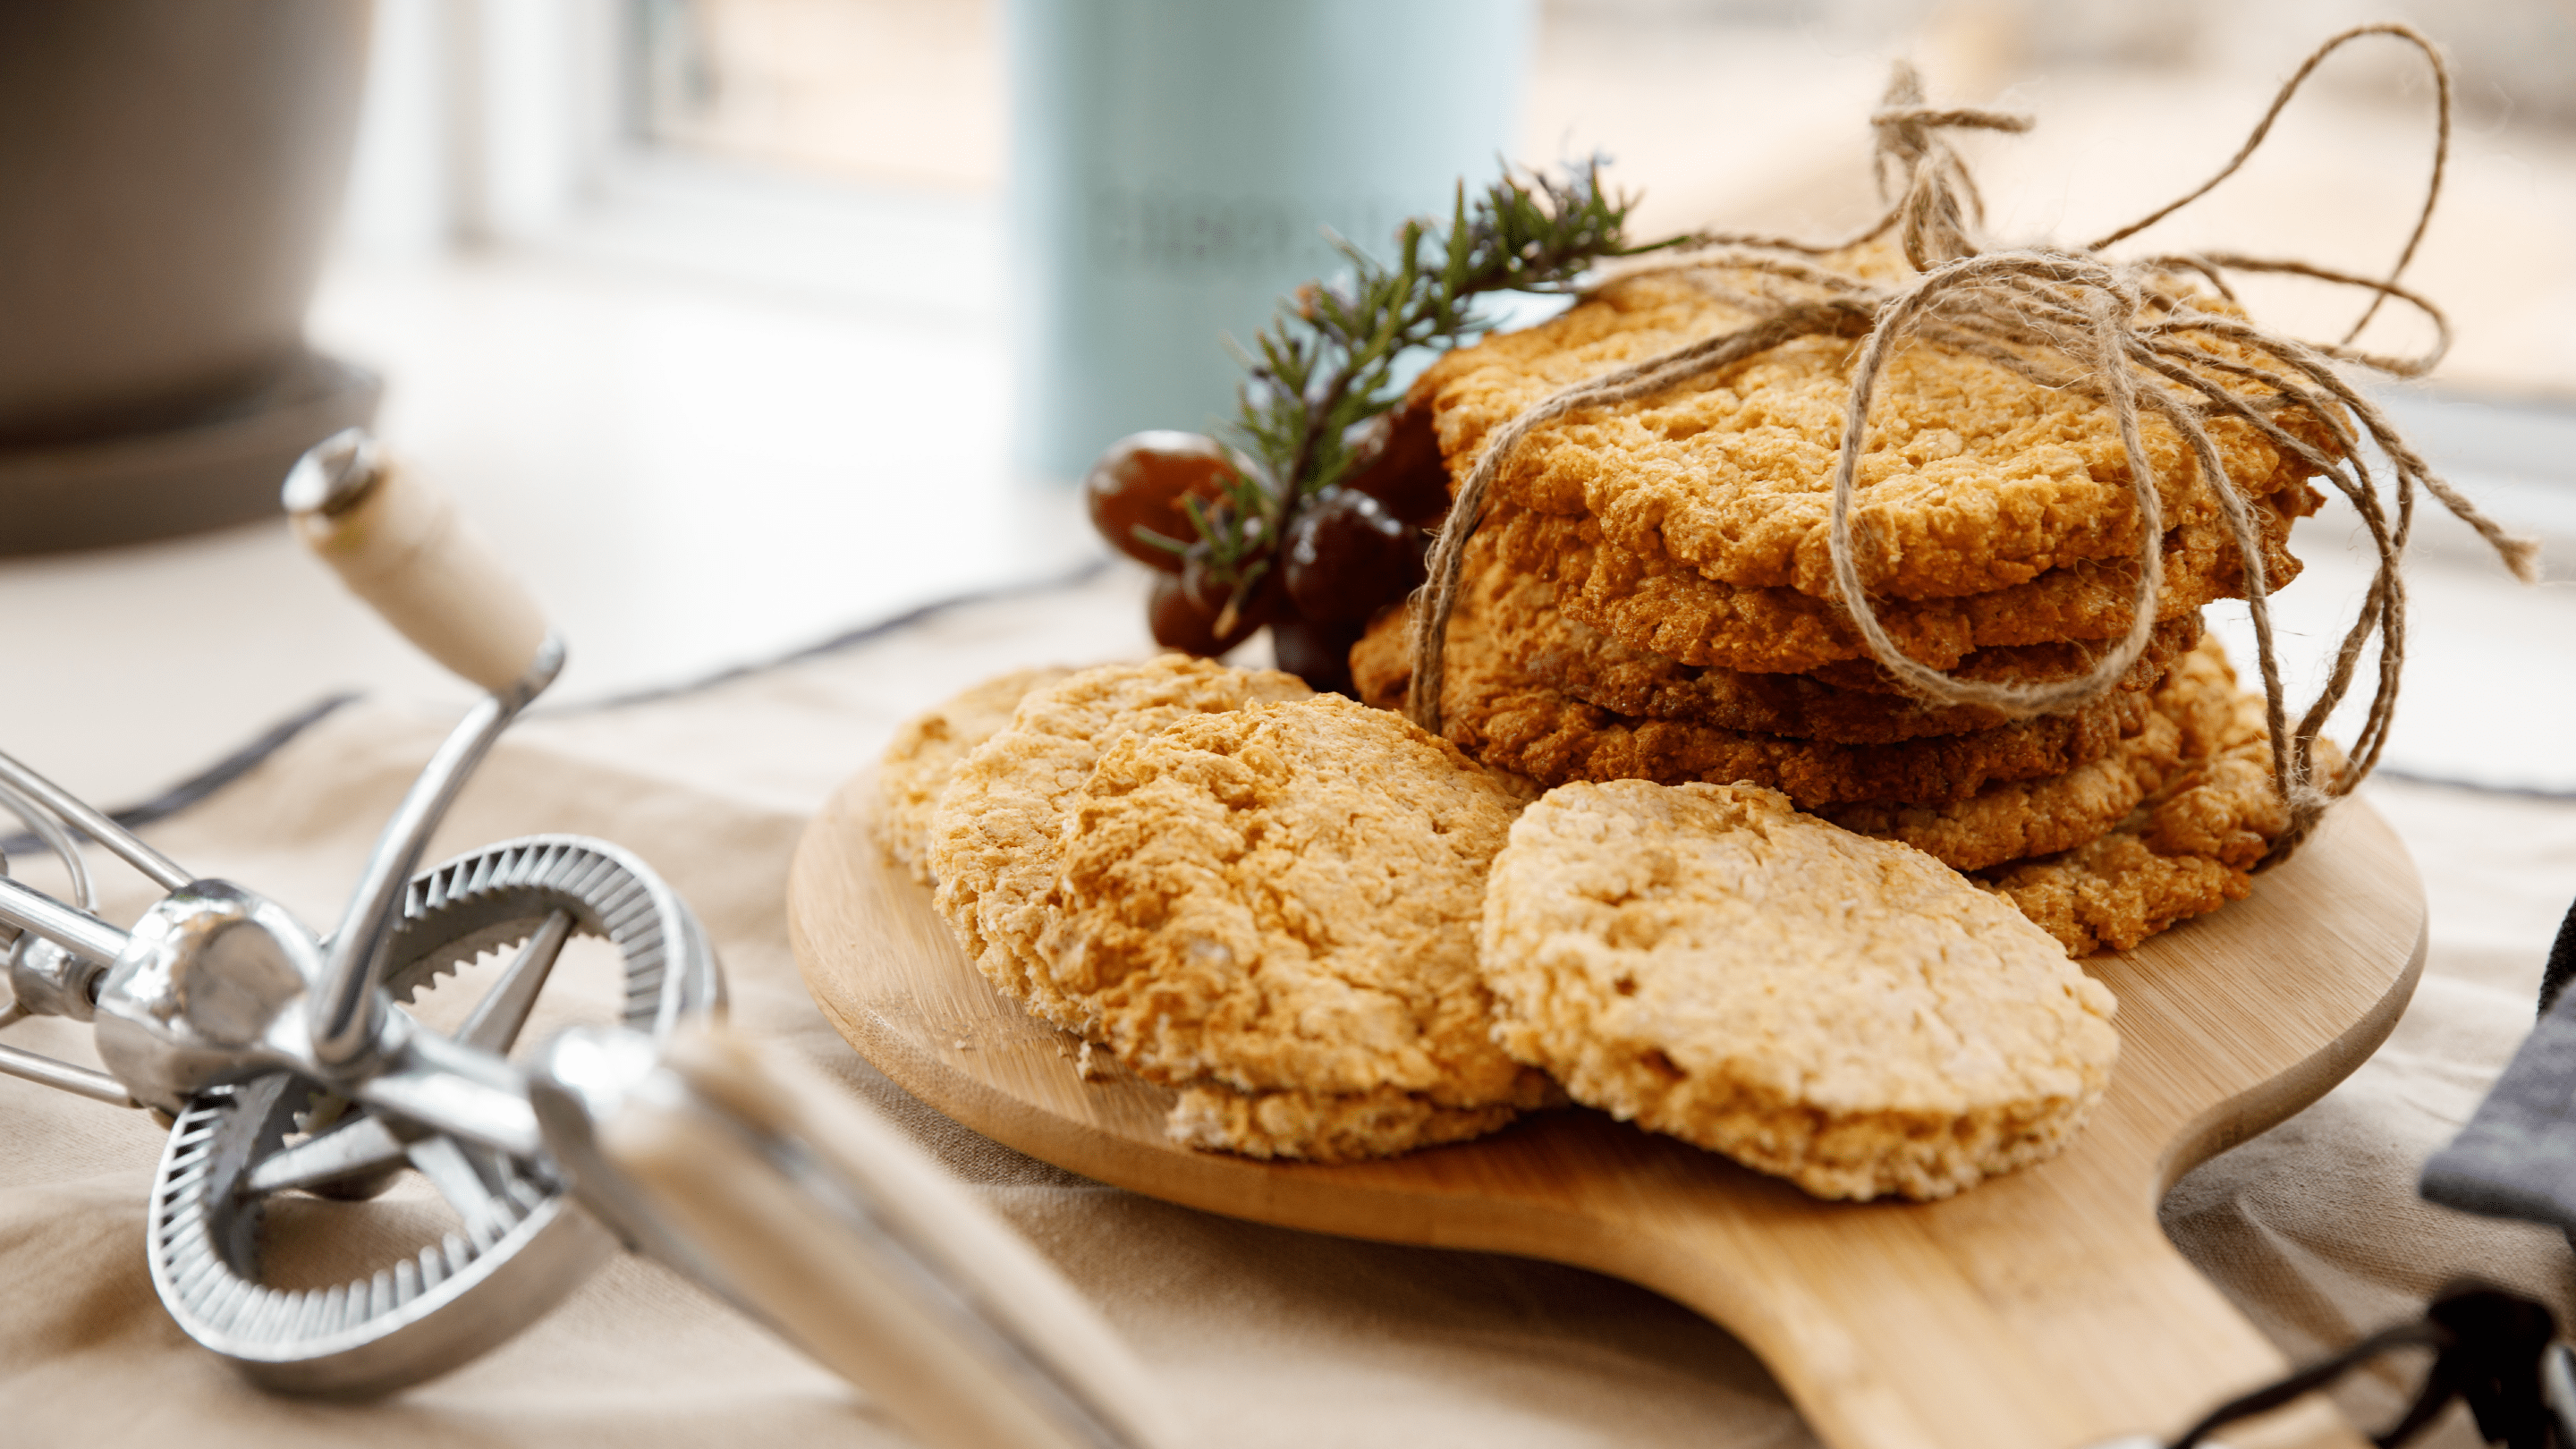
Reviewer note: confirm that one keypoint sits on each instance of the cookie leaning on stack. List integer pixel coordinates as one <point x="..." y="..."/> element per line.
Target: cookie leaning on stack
<point x="994" y="841"/>
<point x="1649" y="593"/>
<point x="1275" y="910"/>
<point x="1264" y="899"/>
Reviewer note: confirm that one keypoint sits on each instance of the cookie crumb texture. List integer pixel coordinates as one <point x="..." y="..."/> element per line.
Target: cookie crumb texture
<point x="924" y="755"/>
<point x="1275" y="909"/>
<point x="1842" y="1012"/>
<point x="994" y="834"/>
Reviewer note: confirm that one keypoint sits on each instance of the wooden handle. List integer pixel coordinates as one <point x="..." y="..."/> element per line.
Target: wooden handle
<point x="858" y="1310"/>
<point x="403" y="547"/>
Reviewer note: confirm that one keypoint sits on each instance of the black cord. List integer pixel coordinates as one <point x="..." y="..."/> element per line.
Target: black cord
<point x="2488" y="1348"/>
<point x="2307" y="1380"/>
<point x="207" y="781"/>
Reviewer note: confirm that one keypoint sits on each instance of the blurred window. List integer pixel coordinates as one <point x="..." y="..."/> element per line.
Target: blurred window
<point x="887" y="92"/>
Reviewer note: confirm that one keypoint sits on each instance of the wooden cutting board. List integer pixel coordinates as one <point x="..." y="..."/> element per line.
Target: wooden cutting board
<point x="2041" y="1310"/>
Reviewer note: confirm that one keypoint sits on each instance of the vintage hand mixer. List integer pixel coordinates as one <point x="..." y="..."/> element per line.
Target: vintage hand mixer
<point x="284" y="1061"/>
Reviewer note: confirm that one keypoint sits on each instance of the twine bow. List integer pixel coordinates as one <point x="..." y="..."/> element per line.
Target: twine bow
<point x="2130" y="335"/>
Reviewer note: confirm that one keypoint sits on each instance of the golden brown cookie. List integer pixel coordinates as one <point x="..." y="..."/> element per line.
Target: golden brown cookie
<point x="925" y="753"/>
<point x="1870" y="709"/>
<point x="1277" y="908"/>
<point x="994" y="833"/>
<point x="1501" y="714"/>
<point x="1651" y="602"/>
<point x="2188" y="849"/>
<point x="2007" y="820"/>
<point x="1974" y="479"/>
<point x="2016" y="819"/>
<point x="1843" y="1012"/>
<point x="1336" y="1126"/>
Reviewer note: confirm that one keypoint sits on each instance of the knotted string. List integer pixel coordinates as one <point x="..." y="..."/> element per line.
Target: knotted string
<point x="2129" y="334"/>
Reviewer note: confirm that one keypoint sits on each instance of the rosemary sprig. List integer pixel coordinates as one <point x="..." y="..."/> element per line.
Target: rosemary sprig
<point x="1328" y="361"/>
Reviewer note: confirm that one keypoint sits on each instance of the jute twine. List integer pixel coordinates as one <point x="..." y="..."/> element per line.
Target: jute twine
<point x="2129" y="335"/>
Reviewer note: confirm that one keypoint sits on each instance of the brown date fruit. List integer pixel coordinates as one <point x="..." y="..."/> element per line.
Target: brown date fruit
<point x="1139" y="482"/>
<point x="1347" y="555"/>
<point x="1318" y="652"/>
<point x="1400" y="466"/>
<point x="1180" y="623"/>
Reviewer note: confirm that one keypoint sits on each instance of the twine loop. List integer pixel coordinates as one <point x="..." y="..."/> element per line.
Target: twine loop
<point x="2131" y="335"/>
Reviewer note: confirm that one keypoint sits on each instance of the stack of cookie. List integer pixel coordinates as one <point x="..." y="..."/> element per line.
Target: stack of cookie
<point x="1650" y="597"/>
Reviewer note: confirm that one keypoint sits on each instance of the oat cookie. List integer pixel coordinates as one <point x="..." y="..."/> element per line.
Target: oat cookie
<point x="1973" y="479"/>
<point x="1856" y="702"/>
<point x="993" y="835"/>
<point x="1651" y="602"/>
<point x="925" y="753"/>
<point x="1337" y="1126"/>
<point x="1276" y="909"/>
<point x="2188" y="849"/>
<point x="1495" y="710"/>
<point x="2017" y="819"/>
<point x="2005" y="821"/>
<point x="1843" y="1012"/>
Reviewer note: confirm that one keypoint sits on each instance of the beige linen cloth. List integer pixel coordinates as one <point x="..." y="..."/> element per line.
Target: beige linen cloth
<point x="1261" y="1336"/>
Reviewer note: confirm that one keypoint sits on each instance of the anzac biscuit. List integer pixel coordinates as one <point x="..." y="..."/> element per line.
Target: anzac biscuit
<point x="1498" y="712"/>
<point x="2190" y="848"/>
<point x="1843" y="1012"/>
<point x="2005" y="821"/>
<point x="1337" y="1126"/>
<point x="925" y="753"/>
<point x="2018" y="819"/>
<point x="1650" y="602"/>
<point x="993" y="836"/>
<point x="1869" y="709"/>
<point x="1974" y="479"/>
<point x="1277" y="909"/>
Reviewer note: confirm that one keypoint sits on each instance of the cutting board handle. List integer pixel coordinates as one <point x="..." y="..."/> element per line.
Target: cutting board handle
<point x="2001" y="1337"/>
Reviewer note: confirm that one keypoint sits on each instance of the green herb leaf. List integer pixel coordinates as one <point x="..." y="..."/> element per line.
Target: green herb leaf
<point x="1328" y="361"/>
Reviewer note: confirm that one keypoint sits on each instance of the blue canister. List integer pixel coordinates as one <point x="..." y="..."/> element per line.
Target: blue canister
<point x="1174" y="164"/>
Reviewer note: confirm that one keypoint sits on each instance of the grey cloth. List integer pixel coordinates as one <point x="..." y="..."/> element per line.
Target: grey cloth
<point x="2517" y="1156"/>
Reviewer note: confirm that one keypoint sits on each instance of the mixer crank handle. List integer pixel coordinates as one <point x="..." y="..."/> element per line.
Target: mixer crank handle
<point x="400" y="545"/>
<point x="348" y="1011"/>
